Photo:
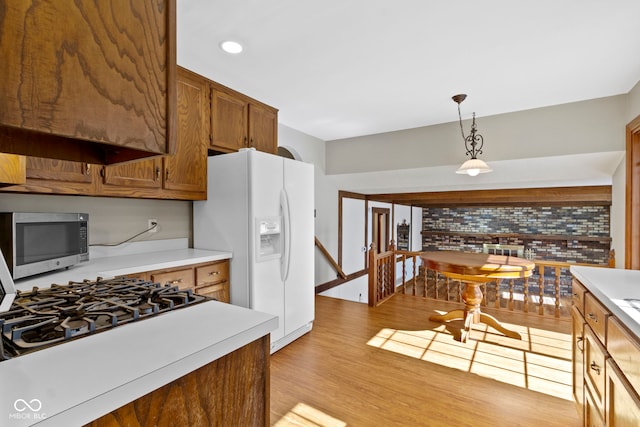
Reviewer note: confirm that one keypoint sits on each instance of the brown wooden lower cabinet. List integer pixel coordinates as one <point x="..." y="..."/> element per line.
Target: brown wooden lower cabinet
<point x="230" y="391"/>
<point x="605" y="364"/>
<point x="208" y="279"/>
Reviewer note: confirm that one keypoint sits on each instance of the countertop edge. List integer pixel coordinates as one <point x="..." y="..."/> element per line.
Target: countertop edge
<point x="607" y="285"/>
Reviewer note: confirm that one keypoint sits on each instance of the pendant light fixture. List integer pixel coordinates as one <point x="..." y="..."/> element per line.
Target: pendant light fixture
<point x="473" y="143"/>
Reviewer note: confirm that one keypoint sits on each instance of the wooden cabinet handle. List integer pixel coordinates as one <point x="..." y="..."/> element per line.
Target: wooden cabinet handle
<point x="580" y="343"/>
<point x="176" y="281"/>
<point x="87" y="169"/>
<point x="593" y="317"/>
<point x="157" y="173"/>
<point x="214" y="273"/>
<point x="595" y="367"/>
<point x="166" y="175"/>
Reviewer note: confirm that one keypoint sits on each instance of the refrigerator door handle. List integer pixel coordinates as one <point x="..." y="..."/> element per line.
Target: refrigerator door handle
<point x="284" y="204"/>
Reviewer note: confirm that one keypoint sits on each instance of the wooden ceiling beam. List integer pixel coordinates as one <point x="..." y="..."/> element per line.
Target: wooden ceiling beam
<point x="552" y="196"/>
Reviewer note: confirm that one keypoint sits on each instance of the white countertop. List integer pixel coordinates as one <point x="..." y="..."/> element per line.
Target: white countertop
<point x="111" y="266"/>
<point x="81" y="380"/>
<point x="75" y="382"/>
<point x="615" y="288"/>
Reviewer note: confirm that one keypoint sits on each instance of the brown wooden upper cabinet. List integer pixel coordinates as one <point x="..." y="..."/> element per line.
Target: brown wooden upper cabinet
<point x="88" y="81"/>
<point x="182" y="175"/>
<point x="238" y="121"/>
<point x="12" y="169"/>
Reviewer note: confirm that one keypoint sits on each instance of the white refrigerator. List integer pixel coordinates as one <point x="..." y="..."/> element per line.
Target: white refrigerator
<point x="260" y="207"/>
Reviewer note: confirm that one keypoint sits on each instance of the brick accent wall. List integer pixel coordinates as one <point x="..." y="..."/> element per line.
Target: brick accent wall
<point x="575" y="221"/>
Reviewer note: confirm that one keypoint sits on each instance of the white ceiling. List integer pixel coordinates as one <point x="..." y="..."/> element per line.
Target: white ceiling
<point x="343" y="68"/>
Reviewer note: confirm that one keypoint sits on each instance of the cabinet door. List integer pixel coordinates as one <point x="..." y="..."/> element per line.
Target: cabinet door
<point x="97" y="75"/>
<point x="229" y="114"/>
<point x="57" y="177"/>
<point x="263" y="128"/>
<point x="138" y="174"/>
<point x="186" y="170"/>
<point x="12" y="169"/>
<point x="623" y="404"/>
<point x="594" y="368"/>
<point x="578" y="358"/>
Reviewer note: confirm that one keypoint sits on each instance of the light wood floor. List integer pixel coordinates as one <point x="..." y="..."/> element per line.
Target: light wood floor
<point x="391" y="366"/>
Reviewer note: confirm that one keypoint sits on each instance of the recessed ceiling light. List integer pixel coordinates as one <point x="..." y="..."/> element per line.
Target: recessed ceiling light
<point x="231" y="46"/>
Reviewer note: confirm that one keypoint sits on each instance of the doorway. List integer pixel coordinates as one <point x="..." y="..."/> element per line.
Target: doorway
<point x="381" y="218"/>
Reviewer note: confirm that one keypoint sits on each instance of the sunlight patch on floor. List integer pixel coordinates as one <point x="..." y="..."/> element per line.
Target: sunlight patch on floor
<point x="305" y="415"/>
<point x="540" y="361"/>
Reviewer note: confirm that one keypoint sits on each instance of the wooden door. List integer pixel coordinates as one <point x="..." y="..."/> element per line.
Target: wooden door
<point x="229" y="115"/>
<point x="186" y="170"/>
<point x="380" y="221"/>
<point x="263" y="128"/>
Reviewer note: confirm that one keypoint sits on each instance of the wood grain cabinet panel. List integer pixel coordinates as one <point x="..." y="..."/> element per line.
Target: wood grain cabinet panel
<point x="609" y="375"/>
<point x="577" y="353"/>
<point x="182" y="278"/>
<point x="52" y="176"/>
<point x="623" y="403"/>
<point x="213" y="281"/>
<point x="207" y="279"/>
<point x="230" y="391"/>
<point x="596" y="316"/>
<point x="625" y="351"/>
<point x="594" y="369"/>
<point x="87" y="81"/>
<point x="185" y="171"/>
<point x="263" y="128"/>
<point x="229" y="117"/>
<point x="181" y="175"/>
<point x="578" y="293"/>
<point x="238" y="121"/>
<point x="12" y="169"/>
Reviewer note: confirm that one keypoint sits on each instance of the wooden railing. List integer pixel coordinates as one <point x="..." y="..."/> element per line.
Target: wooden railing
<point x="382" y="275"/>
<point x="547" y="292"/>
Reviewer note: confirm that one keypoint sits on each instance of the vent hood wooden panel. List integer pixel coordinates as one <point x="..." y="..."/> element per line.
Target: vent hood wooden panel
<point x="88" y="81"/>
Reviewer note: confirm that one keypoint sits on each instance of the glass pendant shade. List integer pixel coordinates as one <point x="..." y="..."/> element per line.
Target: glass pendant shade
<point x="474" y="167"/>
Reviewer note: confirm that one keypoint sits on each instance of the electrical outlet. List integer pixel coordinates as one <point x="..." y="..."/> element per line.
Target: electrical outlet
<point x="153" y="225"/>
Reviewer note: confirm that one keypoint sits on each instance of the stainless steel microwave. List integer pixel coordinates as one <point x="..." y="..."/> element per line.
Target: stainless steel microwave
<point x="37" y="242"/>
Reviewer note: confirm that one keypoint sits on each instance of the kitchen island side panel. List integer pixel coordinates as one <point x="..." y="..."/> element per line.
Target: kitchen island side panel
<point x="230" y="391"/>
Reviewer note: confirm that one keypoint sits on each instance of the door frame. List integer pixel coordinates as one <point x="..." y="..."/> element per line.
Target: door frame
<point x="632" y="197"/>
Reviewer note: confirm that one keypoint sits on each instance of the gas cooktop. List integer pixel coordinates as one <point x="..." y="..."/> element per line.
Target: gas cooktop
<point x="41" y="318"/>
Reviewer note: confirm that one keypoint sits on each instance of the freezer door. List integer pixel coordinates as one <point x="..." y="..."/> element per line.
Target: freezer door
<point x="266" y="286"/>
<point x="299" y="245"/>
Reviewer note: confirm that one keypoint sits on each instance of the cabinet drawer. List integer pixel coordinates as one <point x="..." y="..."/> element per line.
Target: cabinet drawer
<point x="213" y="273"/>
<point x="139" y="276"/>
<point x="578" y="293"/>
<point x="219" y="292"/>
<point x="181" y="278"/>
<point x="594" y="368"/>
<point x="596" y="316"/>
<point x="625" y="351"/>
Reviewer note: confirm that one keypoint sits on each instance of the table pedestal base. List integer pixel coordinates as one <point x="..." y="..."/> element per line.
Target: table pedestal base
<point x="471" y="314"/>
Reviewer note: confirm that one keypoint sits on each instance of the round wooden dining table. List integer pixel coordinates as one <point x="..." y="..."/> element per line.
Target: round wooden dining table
<point x="474" y="269"/>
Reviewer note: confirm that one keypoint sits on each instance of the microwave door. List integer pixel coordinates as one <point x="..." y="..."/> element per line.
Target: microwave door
<point x="7" y="287"/>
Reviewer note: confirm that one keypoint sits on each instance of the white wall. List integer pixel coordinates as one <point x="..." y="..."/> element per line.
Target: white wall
<point x="582" y="127"/>
<point x="111" y="220"/>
